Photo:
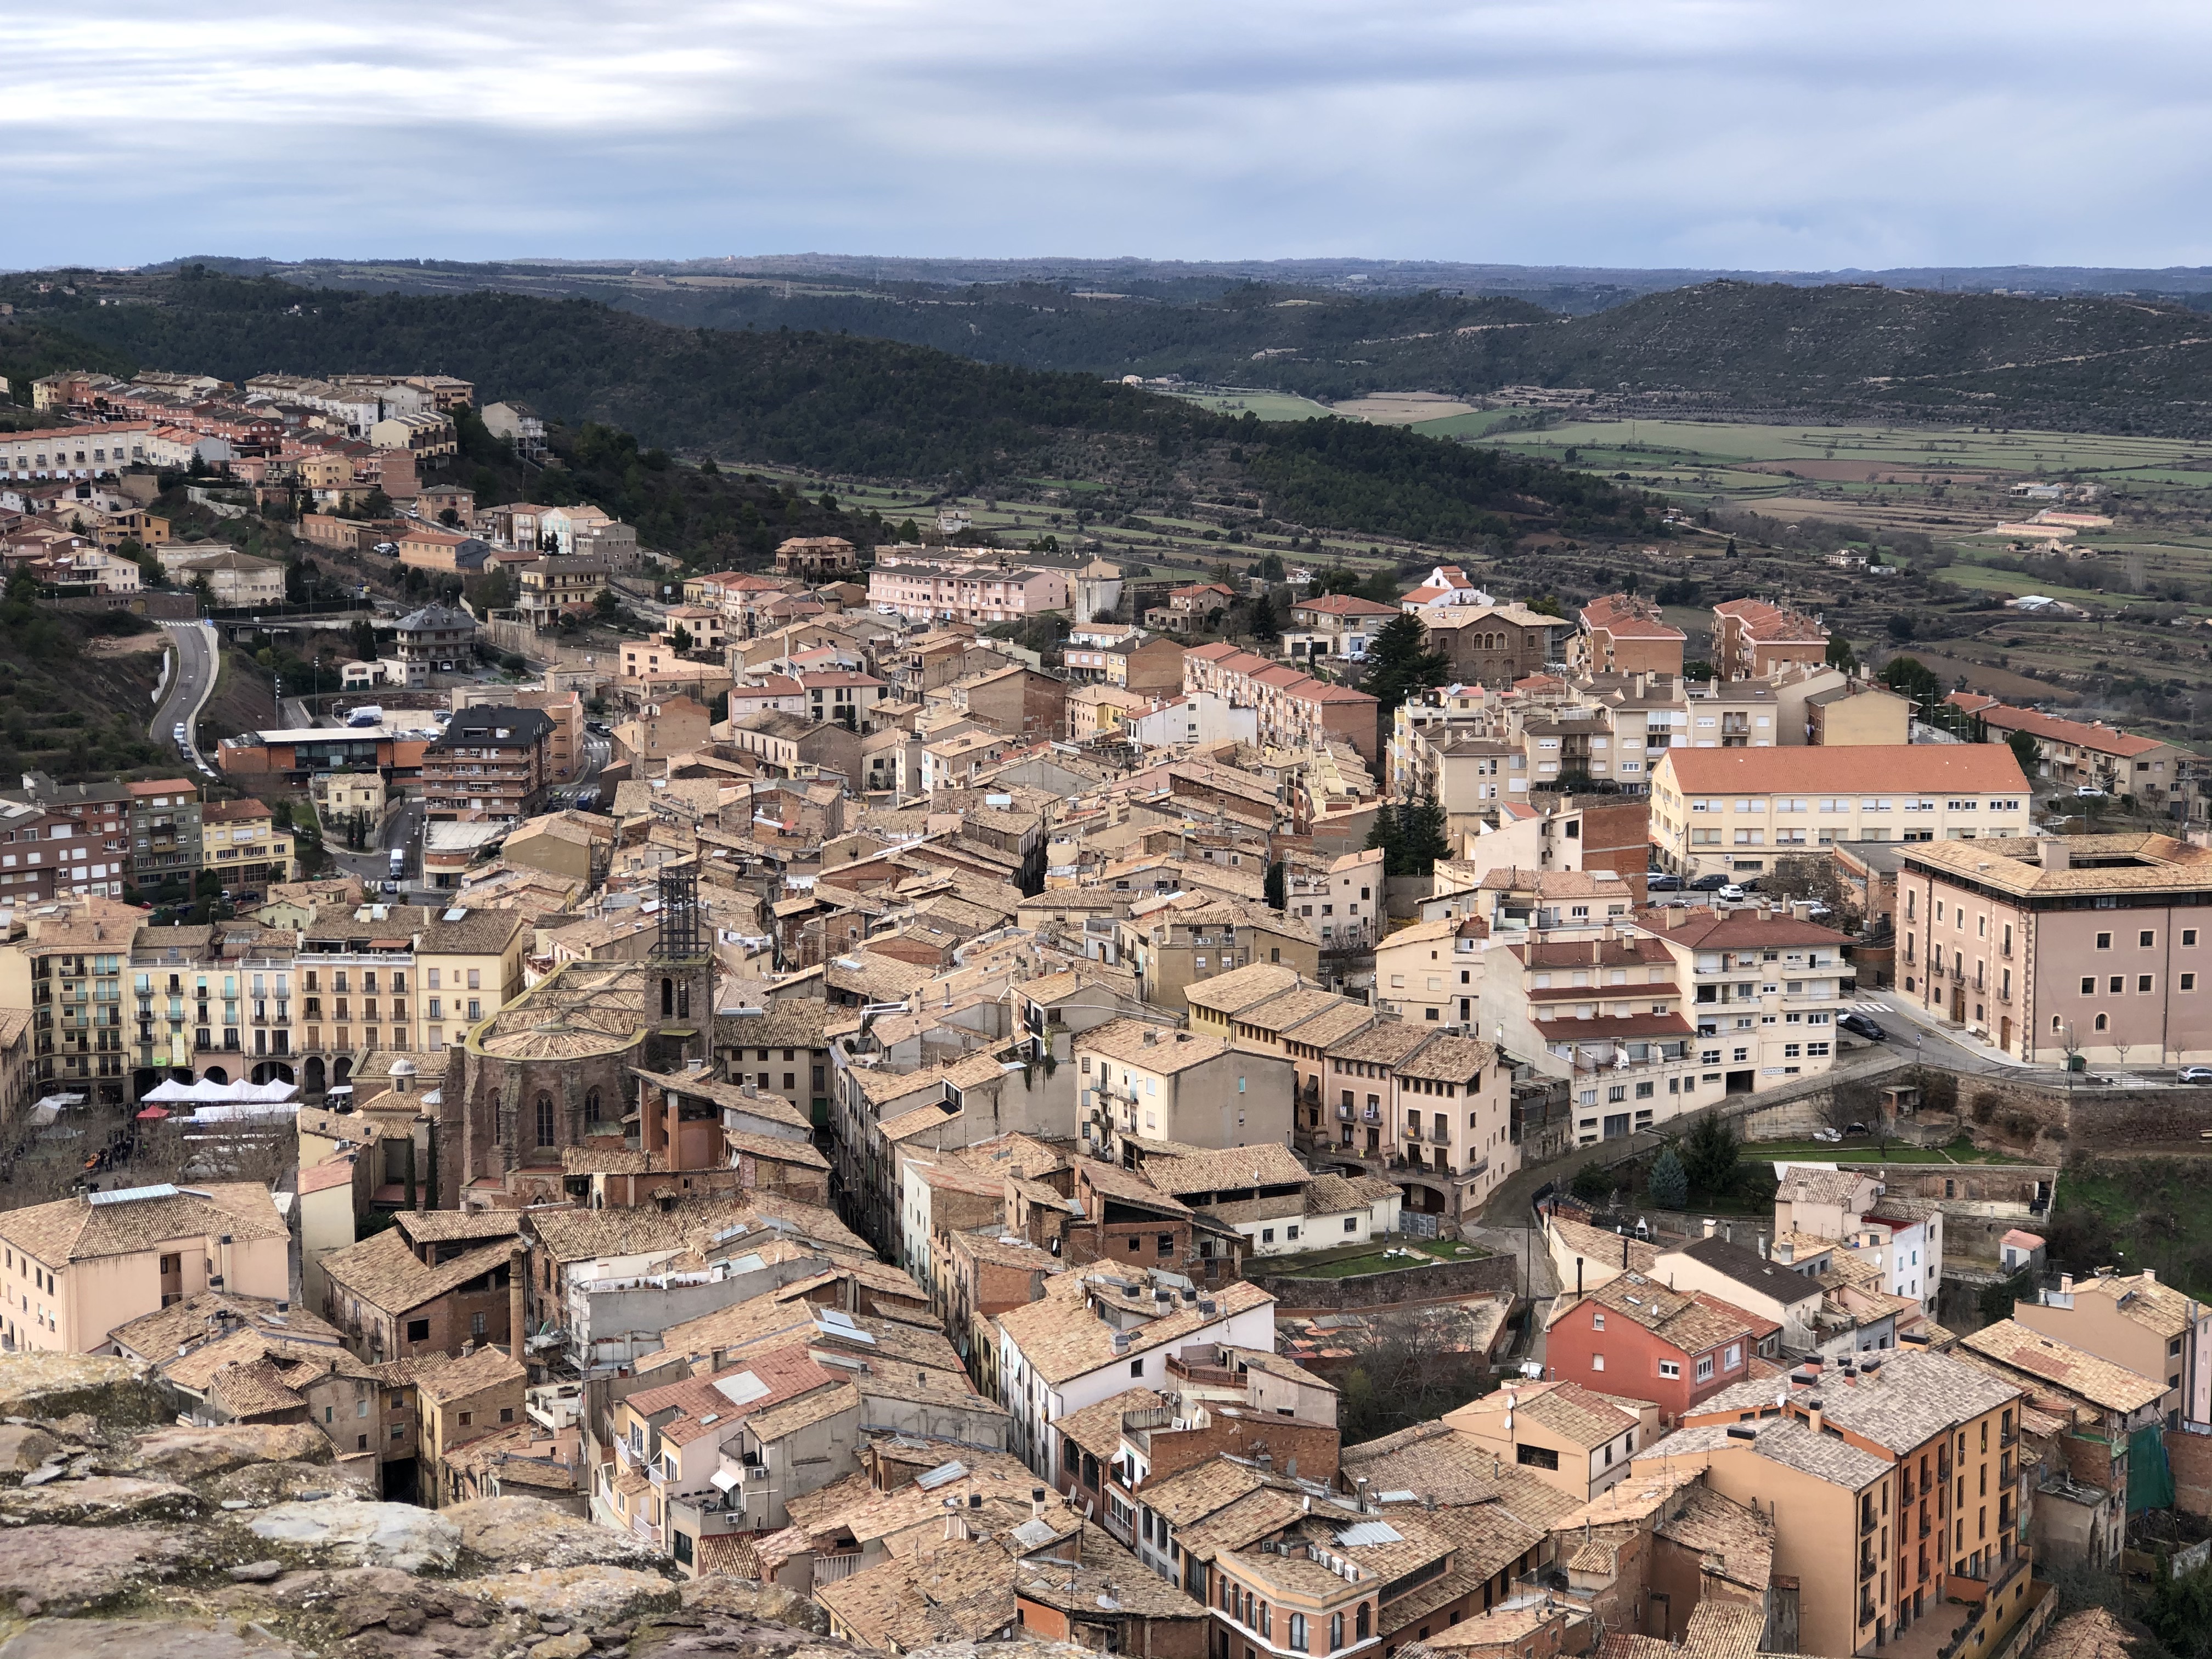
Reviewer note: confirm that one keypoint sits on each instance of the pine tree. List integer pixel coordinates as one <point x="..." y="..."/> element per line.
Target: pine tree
<point x="1709" y="1156"/>
<point x="1263" y="621"/>
<point x="1385" y="835"/>
<point x="1840" y="655"/>
<point x="1667" y="1183"/>
<point x="1399" y="663"/>
<point x="1424" y="835"/>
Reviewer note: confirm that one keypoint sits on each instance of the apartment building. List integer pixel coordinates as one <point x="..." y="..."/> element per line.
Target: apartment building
<point x="1925" y="1447"/>
<point x="2085" y="944"/>
<point x="978" y="593"/>
<point x="2132" y="1320"/>
<point x="1765" y="990"/>
<point x="1492" y="645"/>
<point x="243" y="848"/>
<point x="1173" y="941"/>
<point x="815" y="558"/>
<point x="469" y="964"/>
<point x="437" y="637"/>
<point x="1754" y="640"/>
<point x="1342" y="903"/>
<point x="1431" y="973"/>
<point x="1138" y="1080"/>
<point x="1473" y="750"/>
<point x="490" y="763"/>
<point x="1095" y="1334"/>
<point x="1605" y="1007"/>
<point x="166" y="845"/>
<point x="2090" y="754"/>
<point x="76" y="452"/>
<point x="426" y="435"/>
<point x="47" y="851"/>
<point x="73" y="1270"/>
<point x="1736" y="811"/>
<point x="1295" y="710"/>
<point x="356" y="975"/>
<point x="1131" y="660"/>
<point x="555" y="583"/>
<point x="1622" y="634"/>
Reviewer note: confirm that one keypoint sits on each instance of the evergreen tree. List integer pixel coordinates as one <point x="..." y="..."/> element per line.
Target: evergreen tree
<point x="1386" y="836"/>
<point x="1668" y="1183"/>
<point x="1425" y="837"/>
<point x="1278" y="892"/>
<point x="1399" y="663"/>
<point x="1840" y="655"/>
<point x="1263" y="621"/>
<point x="1709" y="1157"/>
<point x="2027" y="751"/>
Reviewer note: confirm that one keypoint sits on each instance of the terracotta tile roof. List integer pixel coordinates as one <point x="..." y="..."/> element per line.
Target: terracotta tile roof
<point x="477" y="1373"/>
<point x="1583" y="1415"/>
<point x="1725" y="1629"/>
<point x="722" y="1225"/>
<point x="1734" y="930"/>
<point x="1061" y="1338"/>
<point x="1097" y="1429"/>
<point x="198" y="1320"/>
<point x="1242" y="987"/>
<point x="2079" y="734"/>
<point x="2141" y="1298"/>
<point x="1208" y="1169"/>
<point x="1783" y="1440"/>
<point x="384" y="1272"/>
<point x="1625" y="616"/>
<point x="1124" y="1039"/>
<point x="957" y="1592"/>
<point x="1448" y="1060"/>
<point x="2093" y="1634"/>
<point x="1871" y="769"/>
<point x="1690" y="1323"/>
<point x="1767" y="621"/>
<point x="1611" y="1249"/>
<point x="1708" y="1524"/>
<point x="2074" y="1371"/>
<point x="766" y="1323"/>
<point x="1455" y="1469"/>
<point x="2127" y="863"/>
<point x="77" y="1229"/>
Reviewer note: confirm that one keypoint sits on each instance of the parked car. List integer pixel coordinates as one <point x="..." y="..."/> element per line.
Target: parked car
<point x="1728" y="891"/>
<point x="2194" y="1074"/>
<point x="1660" y="882"/>
<point x="1709" y="883"/>
<point x="2087" y="790"/>
<point x="1860" y="1025"/>
<point x="1828" y="1136"/>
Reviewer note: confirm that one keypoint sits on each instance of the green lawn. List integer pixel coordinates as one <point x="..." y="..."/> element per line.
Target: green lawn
<point x="1865" y="1149"/>
<point x="1352" y="1261"/>
<point x="2131" y="1214"/>
<point x="1267" y="405"/>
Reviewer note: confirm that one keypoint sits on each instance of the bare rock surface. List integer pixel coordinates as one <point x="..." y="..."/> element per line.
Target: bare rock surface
<point x="69" y="1568"/>
<point x="259" y="1484"/>
<point x="24" y="1447"/>
<point x="592" y="1596"/>
<point x="194" y="1454"/>
<point x="100" y="1497"/>
<point x="58" y="1385"/>
<point x="745" y="1598"/>
<point x="510" y="1532"/>
<point x="142" y="1638"/>
<point x="363" y="1533"/>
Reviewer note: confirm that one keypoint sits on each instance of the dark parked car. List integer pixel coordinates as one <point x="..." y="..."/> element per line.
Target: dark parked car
<point x="1659" y="882"/>
<point x="1860" y="1025"/>
<point x="1712" y="883"/>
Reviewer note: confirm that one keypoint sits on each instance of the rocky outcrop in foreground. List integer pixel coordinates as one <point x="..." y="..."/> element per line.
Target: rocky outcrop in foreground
<point x="125" y="1537"/>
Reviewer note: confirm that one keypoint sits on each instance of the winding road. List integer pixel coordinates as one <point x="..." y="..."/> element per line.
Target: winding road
<point x="192" y="682"/>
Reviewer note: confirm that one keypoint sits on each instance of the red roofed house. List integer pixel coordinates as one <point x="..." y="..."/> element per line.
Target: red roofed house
<point x="1753" y="640"/>
<point x="1296" y="711"/>
<point x="1191" y="609"/>
<point x="1446" y="585"/>
<point x="2091" y="755"/>
<point x="1621" y="634"/>
<point x="1335" y="625"/>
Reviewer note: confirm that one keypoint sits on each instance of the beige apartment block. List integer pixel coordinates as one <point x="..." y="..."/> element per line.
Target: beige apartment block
<point x="1736" y="811"/>
<point x="2132" y="1320"/>
<point x="1145" y="1080"/>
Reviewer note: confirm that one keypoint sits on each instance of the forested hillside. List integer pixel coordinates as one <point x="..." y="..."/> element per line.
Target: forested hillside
<point x="2077" y="364"/>
<point x="835" y="403"/>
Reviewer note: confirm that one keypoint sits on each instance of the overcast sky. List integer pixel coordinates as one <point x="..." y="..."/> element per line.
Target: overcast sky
<point x="1758" y="134"/>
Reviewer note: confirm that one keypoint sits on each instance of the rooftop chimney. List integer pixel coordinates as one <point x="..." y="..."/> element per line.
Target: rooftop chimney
<point x="2053" y="853"/>
<point x="1710" y="1225"/>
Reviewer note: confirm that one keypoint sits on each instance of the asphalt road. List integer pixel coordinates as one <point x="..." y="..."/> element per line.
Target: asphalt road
<point x="192" y="681"/>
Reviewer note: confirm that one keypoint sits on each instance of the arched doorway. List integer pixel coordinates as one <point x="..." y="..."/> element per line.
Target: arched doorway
<point x="341" y="1068"/>
<point x="314" y="1074"/>
<point x="144" y="1081"/>
<point x="216" y="1074"/>
<point x="272" y="1071"/>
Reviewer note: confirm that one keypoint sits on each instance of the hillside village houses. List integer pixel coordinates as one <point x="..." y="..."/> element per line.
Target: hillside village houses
<point x="941" y="1125"/>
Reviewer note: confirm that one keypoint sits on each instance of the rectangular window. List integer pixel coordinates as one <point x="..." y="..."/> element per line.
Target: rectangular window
<point x="1670" y="1368"/>
<point x="1705" y="1368"/>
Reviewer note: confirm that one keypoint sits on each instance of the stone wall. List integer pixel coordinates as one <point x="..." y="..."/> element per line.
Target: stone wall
<point x="1443" y="1280"/>
<point x="2035" y="1119"/>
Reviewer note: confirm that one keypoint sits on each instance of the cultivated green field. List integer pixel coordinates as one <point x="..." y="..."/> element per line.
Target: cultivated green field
<point x="1267" y="405"/>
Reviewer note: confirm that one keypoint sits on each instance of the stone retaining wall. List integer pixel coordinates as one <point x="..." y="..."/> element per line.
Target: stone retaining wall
<point x="1440" y="1282"/>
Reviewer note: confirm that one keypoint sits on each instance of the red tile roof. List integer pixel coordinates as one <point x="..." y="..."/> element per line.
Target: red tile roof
<point x="1871" y="768"/>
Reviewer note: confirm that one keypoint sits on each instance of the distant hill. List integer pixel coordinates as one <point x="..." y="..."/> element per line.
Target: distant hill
<point x="836" y="403"/>
<point x="1793" y="349"/>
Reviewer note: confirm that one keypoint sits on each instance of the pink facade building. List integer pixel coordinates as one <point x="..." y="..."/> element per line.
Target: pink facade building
<point x="964" y="592"/>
